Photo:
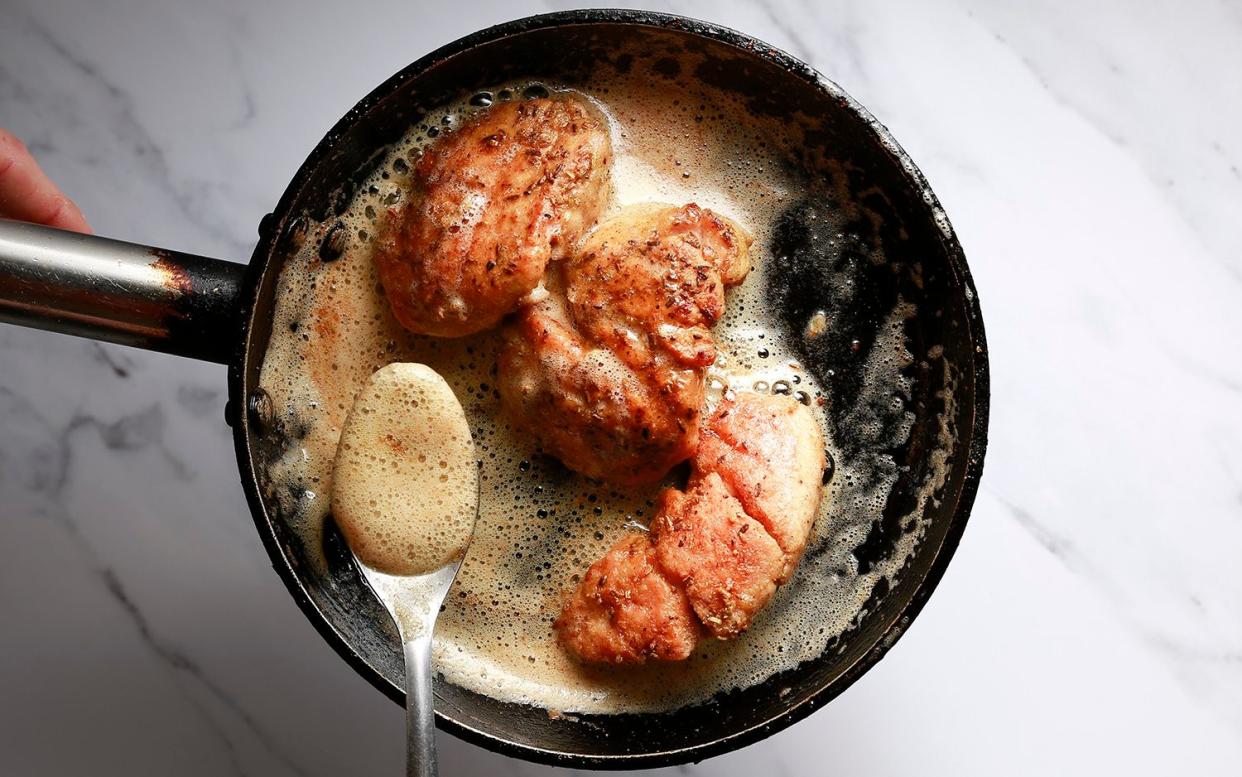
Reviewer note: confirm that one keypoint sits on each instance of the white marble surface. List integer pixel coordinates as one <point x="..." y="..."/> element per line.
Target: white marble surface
<point x="1089" y="156"/>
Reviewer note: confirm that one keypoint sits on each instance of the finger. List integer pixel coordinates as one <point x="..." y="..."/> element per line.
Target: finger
<point x="27" y="194"/>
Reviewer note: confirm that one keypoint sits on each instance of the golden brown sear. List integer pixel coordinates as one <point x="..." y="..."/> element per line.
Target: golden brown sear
<point x="728" y="564"/>
<point x="612" y="383"/>
<point x="588" y="407"/>
<point x="769" y="452"/>
<point x="626" y="611"/>
<point x="491" y="203"/>
<point x="759" y="456"/>
<point x="649" y="283"/>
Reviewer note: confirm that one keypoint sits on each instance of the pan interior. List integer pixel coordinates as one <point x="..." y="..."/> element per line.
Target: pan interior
<point x="859" y="286"/>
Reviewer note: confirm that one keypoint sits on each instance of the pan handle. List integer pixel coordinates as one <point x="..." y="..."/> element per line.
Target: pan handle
<point x="119" y="292"/>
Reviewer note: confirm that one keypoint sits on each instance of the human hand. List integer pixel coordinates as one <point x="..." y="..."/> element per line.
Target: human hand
<point x="27" y="194"/>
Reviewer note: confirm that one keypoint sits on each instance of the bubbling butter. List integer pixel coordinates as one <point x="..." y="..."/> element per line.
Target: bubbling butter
<point x="540" y="526"/>
<point x="405" y="481"/>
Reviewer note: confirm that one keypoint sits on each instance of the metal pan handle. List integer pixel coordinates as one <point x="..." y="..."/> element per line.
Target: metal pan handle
<point x="119" y="292"/>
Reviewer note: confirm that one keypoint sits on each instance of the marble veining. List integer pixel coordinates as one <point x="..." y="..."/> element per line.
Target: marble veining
<point x="1088" y="156"/>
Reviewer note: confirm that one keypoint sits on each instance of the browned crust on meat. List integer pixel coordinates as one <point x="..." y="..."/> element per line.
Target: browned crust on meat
<point x="610" y="378"/>
<point x="728" y="541"/>
<point x="490" y="204"/>
<point x="769" y="452"/>
<point x="625" y="611"/>
<point x="728" y="564"/>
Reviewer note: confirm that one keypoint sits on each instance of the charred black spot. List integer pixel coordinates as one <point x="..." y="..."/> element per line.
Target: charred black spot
<point x="333" y="244"/>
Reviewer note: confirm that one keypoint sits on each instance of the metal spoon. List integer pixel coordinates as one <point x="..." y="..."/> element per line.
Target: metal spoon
<point x="405" y="493"/>
<point x="413" y="602"/>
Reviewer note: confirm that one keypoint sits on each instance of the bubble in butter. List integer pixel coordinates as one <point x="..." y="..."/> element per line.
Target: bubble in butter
<point x="405" y="481"/>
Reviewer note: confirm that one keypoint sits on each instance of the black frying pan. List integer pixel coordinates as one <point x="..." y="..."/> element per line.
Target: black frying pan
<point x="220" y="311"/>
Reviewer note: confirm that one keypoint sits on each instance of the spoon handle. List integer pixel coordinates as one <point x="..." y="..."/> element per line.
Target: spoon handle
<point x="420" y="714"/>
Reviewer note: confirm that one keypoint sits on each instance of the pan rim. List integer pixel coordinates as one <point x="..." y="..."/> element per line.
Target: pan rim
<point x="977" y="426"/>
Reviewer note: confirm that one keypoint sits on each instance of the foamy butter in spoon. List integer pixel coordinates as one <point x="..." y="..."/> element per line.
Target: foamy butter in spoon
<point x="405" y="493"/>
<point x="405" y="484"/>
